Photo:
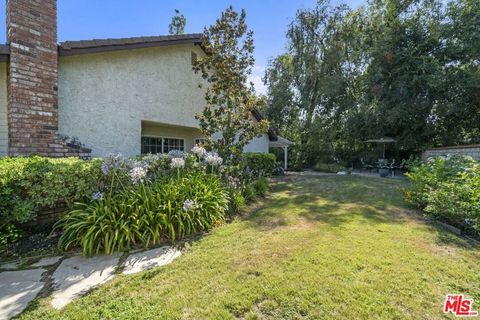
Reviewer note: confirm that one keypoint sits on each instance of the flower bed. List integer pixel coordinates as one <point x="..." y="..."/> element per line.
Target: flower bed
<point x="115" y="203"/>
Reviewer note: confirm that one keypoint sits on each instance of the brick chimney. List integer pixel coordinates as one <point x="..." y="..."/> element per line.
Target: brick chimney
<point x="32" y="80"/>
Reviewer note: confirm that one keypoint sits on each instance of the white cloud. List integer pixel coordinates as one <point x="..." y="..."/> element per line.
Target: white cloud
<point x="256" y="77"/>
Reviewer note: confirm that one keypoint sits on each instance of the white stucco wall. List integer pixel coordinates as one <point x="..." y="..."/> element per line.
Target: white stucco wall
<point x="104" y="97"/>
<point x="258" y="145"/>
<point x="3" y="110"/>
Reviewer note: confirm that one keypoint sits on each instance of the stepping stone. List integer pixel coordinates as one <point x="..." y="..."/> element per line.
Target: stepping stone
<point x="48" y="261"/>
<point x="145" y="260"/>
<point x="77" y="275"/>
<point x="17" y="289"/>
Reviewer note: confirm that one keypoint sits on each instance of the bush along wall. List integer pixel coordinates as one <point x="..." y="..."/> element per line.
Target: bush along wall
<point x="29" y="184"/>
<point x="447" y="189"/>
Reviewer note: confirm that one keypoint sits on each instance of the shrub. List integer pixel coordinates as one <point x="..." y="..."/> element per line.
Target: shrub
<point x="30" y="183"/>
<point x="259" y="164"/>
<point x="329" y="167"/>
<point x="260" y="186"/>
<point x="168" y="208"/>
<point x="8" y="234"/>
<point x="447" y="189"/>
<point x="249" y="192"/>
<point x="237" y="202"/>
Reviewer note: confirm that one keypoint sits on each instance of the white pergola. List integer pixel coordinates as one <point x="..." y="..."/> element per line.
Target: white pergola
<point x="281" y="142"/>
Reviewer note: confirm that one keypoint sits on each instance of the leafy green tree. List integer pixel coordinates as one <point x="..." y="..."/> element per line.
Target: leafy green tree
<point x="406" y="69"/>
<point x="178" y="23"/>
<point x="227" y="121"/>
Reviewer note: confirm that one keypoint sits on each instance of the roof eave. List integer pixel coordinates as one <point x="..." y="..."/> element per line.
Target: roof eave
<point x="65" y="51"/>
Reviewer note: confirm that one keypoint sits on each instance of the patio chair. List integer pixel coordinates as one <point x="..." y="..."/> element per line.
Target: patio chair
<point x="366" y="167"/>
<point x="391" y="166"/>
<point x="401" y="166"/>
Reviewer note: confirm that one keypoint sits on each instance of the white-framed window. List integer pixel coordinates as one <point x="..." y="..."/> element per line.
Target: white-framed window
<point x="173" y="144"/>
<point x="161" y="144"/>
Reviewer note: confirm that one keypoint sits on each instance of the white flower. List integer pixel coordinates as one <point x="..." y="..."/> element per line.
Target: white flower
<point x="177" y="163"/>
<point x="198" y="150"/>
<point x="138" y="174"/>
<point x="189" y="205"/>
<point x="213" y="159"/>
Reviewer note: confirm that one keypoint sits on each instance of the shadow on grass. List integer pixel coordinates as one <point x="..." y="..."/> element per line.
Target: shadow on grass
<point x="445" y="237"/>
<point x="337" y="200"/>
<point x="333" y="200"/>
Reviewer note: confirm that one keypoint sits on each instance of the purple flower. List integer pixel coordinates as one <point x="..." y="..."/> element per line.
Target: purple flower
<point x="177" y="154"/>
<point x="97" y="196"/>
<point x="112" y="162"/>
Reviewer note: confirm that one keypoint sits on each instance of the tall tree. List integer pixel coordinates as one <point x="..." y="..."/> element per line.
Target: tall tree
<point x="178" y="23"/>
<point x="226" y="120"/>
<point x="408" y="69"/>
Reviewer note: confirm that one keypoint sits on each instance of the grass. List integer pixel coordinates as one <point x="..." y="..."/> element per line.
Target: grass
<point x="319" y="247"/>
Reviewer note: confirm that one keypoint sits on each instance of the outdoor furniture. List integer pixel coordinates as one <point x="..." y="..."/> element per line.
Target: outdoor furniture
<point x="384" y="141"/>
<point x="391" y="166"/>
<point x="400" y="166"/>
<point x="383" y="168"/>
<point x="367" y="167"/>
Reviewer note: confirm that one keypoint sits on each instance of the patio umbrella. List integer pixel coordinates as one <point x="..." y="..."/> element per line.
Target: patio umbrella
<point x="384" y="141"/>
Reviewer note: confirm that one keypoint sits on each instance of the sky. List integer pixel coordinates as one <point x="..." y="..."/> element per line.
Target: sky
<point x="98" y="19"/>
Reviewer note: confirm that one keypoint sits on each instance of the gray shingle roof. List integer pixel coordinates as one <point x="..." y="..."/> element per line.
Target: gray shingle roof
<point x="101" y="45"/>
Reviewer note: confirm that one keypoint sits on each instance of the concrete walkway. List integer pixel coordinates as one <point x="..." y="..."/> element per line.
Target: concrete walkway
<point x="70" y="277"/>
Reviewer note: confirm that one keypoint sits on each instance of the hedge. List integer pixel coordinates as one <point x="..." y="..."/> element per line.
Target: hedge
<point x="261" y="164"/>
<point x="447" y="189"/>
<point x="28" y="184"/>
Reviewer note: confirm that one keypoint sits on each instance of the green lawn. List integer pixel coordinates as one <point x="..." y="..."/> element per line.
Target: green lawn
<point x="318" y="247"/>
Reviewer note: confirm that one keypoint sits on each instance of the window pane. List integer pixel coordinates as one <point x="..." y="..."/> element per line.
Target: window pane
<point x="172" y="144"/>
<point x="151" y="145"/>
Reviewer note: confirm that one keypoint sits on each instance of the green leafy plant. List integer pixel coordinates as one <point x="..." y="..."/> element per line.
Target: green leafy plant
<point x="229" y="99"/>
<point x="8" y="234"/>
<point x="447" y="189"/>
<point x="260" y="164"/>
<point x="260" y="186"/>
<point x="249" y="192"/>
<point x="30" y="183"/>
<point x="237" y="202"/>
<point x="168" y="208"/>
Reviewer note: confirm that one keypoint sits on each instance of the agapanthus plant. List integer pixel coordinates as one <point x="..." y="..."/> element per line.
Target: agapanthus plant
<point x="138" y="174"/>
<point x="199" y="151"/>
<point x="189" y="205"/>
<point x="177" y="154"/>
<point x="213" y="159"/>
<point x="113" y="162"/>
<point x="177" y="163"/>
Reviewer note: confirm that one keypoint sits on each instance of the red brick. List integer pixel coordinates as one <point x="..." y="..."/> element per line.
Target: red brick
<point x="32" y="79"/>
